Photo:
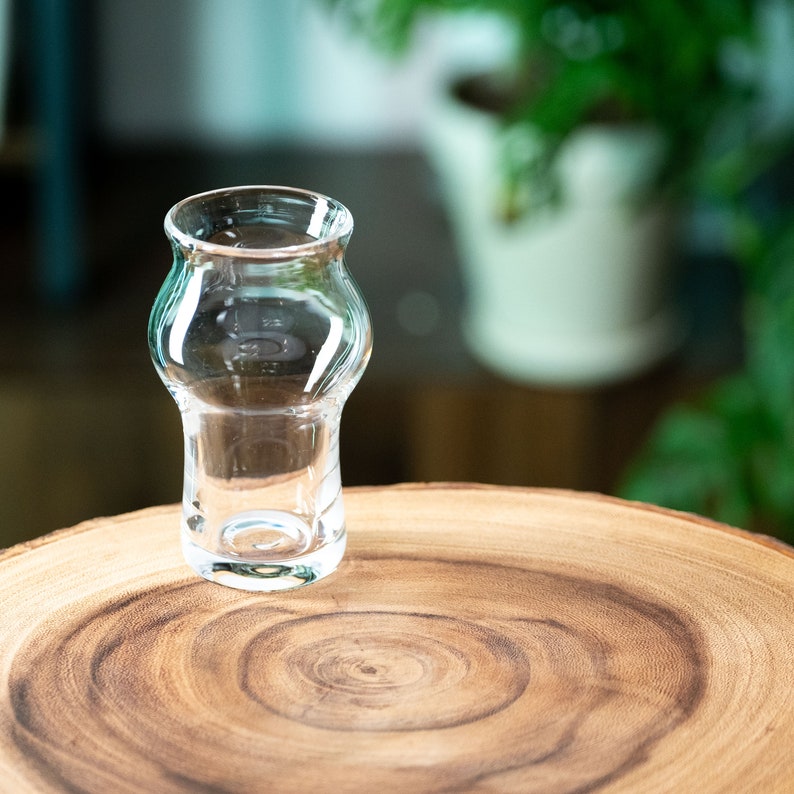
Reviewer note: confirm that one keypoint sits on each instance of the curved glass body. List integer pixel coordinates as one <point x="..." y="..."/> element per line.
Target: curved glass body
<point x="260" y="334"/>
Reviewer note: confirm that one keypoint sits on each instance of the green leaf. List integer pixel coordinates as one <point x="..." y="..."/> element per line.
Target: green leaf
<point x="690" y="465"/>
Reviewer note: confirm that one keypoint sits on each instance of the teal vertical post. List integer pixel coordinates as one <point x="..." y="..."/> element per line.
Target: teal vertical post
<point x="59" y="267"/>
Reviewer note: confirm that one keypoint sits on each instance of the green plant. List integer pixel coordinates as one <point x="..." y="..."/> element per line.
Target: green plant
<point x="683" y="66"/>
<point x="730" y="453"/>
<point x="687" y="68"/>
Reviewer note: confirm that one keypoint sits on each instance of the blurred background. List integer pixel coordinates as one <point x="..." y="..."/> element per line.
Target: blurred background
<point x="112" y="111"/>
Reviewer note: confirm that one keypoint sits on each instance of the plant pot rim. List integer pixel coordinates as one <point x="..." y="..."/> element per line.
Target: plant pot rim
<point x="496" y="108"/>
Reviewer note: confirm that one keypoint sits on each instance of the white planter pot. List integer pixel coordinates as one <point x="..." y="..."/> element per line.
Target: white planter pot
<point x="575" y="295"/>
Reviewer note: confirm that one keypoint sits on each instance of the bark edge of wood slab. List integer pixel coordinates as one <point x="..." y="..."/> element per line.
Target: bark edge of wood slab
<point x="475" y="638"/>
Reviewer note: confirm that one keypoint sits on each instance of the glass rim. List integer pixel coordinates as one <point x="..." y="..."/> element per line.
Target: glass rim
<point x="193" y="243"/>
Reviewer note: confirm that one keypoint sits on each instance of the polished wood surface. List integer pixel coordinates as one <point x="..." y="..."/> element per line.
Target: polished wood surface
<point x="474" y="639"/>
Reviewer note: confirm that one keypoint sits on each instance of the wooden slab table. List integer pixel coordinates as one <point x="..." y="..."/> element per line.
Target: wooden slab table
<point x="475" y="638"/>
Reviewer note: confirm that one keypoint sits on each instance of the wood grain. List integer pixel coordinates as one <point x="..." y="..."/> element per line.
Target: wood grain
<point x="475" y="639"/>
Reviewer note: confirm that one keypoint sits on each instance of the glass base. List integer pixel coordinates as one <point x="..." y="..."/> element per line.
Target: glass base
<point x="265" y="576"/>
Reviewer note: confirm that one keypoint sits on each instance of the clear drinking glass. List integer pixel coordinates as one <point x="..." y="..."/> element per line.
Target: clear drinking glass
<point x="260" y="334"/>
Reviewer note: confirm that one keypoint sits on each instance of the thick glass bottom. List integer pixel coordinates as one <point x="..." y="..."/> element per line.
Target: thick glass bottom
<point x="265" y="575"/>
